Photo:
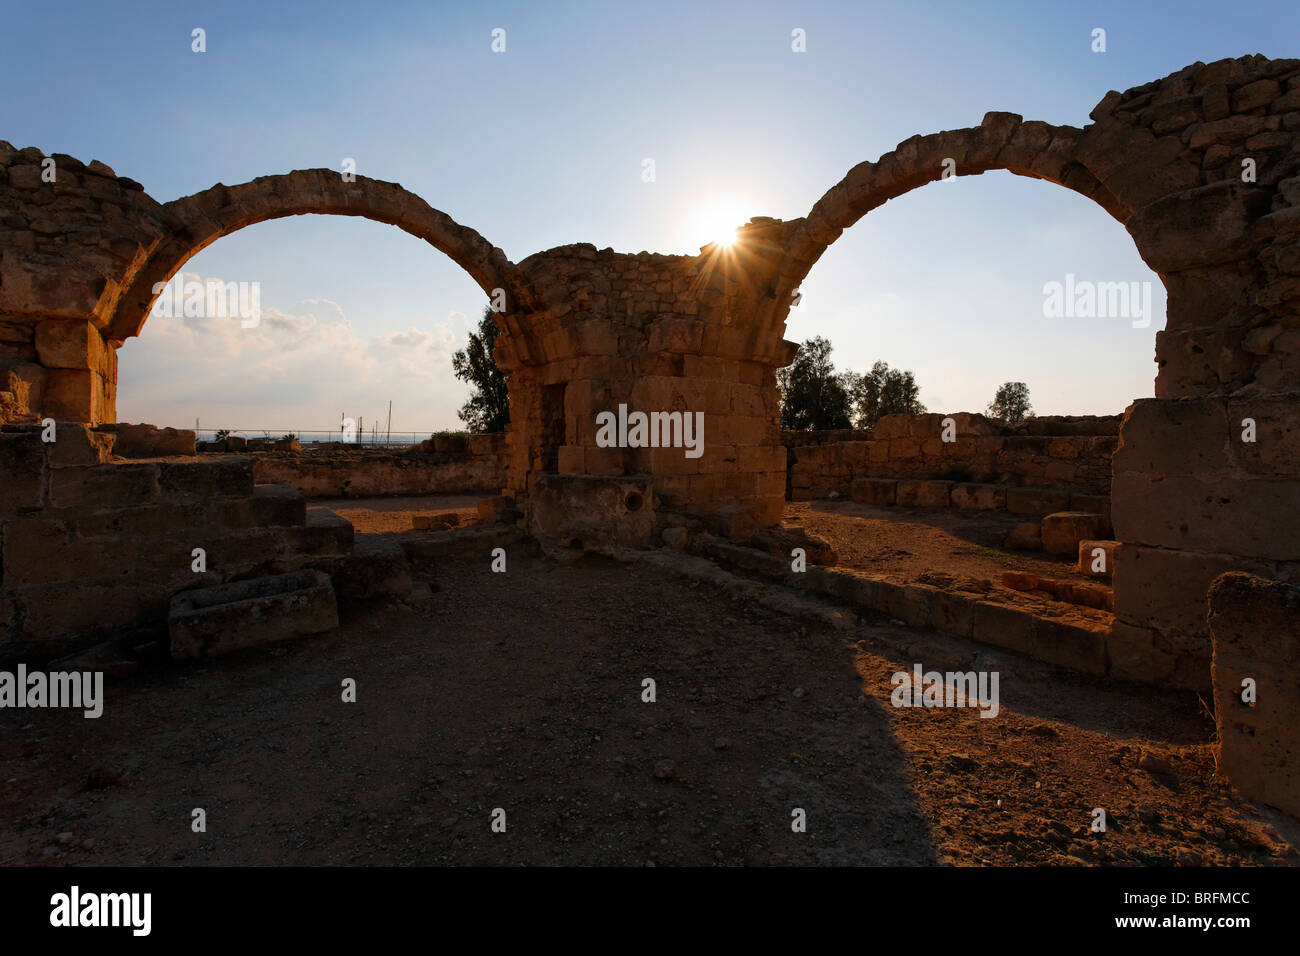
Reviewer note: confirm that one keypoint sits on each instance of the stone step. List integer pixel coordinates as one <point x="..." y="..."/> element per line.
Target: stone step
<point x="1063" y="530"/>
<point x="223" y="478"/>
<point x="1097" y="558"/>
<point x="478" y="542"/>
<point x="279" y="505"/>
<point x="206" y="622"/>
<point x="323" y="533"/>
<point x="376" y="567"/>
<point x="1079" y="645"/>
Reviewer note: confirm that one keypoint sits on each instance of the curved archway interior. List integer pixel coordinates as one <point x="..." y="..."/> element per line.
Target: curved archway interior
<point x="353" y="313"/>
<point x="942" y="282"/>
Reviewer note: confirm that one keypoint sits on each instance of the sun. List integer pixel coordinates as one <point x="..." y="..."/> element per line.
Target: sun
<point x="715" y="221"/>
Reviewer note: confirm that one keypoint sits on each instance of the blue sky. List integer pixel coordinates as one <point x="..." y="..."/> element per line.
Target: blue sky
<point x="543" y="144"/>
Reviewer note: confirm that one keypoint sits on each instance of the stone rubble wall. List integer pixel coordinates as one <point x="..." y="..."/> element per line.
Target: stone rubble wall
<point x="342" y="472"/>
<point x="92" y="548"/>
<point x="1041" y="454"/>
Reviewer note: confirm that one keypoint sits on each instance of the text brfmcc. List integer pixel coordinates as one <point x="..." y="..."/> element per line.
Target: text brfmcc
<point x="653" y="430"/>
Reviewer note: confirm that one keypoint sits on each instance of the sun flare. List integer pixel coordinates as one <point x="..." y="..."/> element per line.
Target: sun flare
<point x="715" y="222"/>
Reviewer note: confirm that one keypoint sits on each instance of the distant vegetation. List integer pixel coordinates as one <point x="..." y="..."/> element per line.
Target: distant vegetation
<point x="815" y="396"/>
<point x="1011" y="403"/>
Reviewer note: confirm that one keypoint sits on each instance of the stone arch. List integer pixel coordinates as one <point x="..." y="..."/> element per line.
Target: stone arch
<point x="1169" y="160"/>
<point x="1003" y="141"/>
<point x="195" y="222"/>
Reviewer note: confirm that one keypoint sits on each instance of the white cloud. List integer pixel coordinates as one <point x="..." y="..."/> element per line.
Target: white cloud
<point x="297" y="367"/>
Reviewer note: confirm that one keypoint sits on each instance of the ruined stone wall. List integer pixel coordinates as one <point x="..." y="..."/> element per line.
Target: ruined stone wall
<point x="66" y="248"/>
<point x="1192" y="499"/>
<point x="90" y="548"/>
<point x="1202" y="169"/>
<point x="654" y="333"/>
<point x="343" y="472"/>
<point x="1039" y="454"/>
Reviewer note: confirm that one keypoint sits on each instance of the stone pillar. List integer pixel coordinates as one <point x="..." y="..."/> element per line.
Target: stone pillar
<point x="1192" y="499"/>
<point x="1256" y="627"/>
<point x="81" y="383"/>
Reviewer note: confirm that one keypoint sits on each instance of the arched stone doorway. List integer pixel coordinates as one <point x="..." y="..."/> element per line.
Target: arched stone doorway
<point x="1201" y="169"/>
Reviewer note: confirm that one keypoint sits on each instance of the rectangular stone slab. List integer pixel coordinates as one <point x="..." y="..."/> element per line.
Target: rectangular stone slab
<point x="207" y="622"/>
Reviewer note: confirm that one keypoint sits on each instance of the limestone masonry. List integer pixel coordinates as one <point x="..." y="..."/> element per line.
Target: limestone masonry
<point x="585" y="330"/>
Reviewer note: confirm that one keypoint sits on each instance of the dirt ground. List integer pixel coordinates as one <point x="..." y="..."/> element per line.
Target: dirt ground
<point x="954" y="550"/>
<point x="393" y="515"/>
<point x="523" y="691"/>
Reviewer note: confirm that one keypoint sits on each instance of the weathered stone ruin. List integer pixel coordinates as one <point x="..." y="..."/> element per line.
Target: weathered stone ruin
<point x="1202" y="168"/>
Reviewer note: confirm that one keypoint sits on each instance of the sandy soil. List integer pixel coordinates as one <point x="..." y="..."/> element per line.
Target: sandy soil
<point x="953" y="550"/>
<point x="393" y="515"/>
<point x="523" y="691"/>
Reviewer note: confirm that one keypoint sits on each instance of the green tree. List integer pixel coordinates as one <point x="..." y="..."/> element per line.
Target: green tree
<point x="1011" y="403"/>
<point x="488" y="408"/>
<point x="813" y="395"/>
<point x="885" y="391"/>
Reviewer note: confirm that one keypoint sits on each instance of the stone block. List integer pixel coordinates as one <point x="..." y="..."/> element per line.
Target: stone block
<point x="324" y="533"/>
<point x="734" y="521"/>
<point x="1037" y="501"/>
<point x="892" y="426"/>
<point x="1163" y="436"/>
<point x="278" y="505"/>
<point x="70" y="343"/>
<point x="1076" y="646"/>
<point x="1138" y="654"/>
<point x="968" y="496"/>
<point x="1255" y="624"/>
<point x="32" y="548"/>
<point x="375" y="568"/>
<point x="78" y="444"/>
<point x="75" y="396"/>
<point x="1097" y="558"/>
<point x="22" y="471"/>
<point x="1166" y="590"/>
<point x="923" y="494"/>
<point x="1254" y="517"/>
<point x="953" y="614"/>
<point x="149" y="441"/>
<point x="1062" y="531"/>
<point x="874" y="491"/>
<point x="1002" y="626"/>
<point x="206" y="622"/>
<point x="56" y="613"/>
<point x="1026" y="536"/>
<point x="585" y="511"/>
<point x="1276" y="446"/>
<point x="226" y="477"/>
<point x="569" y="460"/>
<point x="919" y="605"/>
<point x="103" y="486"/>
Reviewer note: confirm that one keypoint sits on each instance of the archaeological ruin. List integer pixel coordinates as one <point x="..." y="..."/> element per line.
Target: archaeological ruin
<point x="1202" y="167"/>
